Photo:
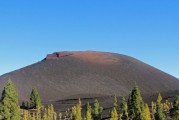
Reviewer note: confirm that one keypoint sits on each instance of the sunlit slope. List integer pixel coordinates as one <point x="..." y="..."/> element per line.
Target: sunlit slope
<point x="65" y="75"/>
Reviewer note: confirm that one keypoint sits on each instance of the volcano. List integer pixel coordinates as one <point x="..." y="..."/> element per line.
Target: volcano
<point x="88" y="74"/>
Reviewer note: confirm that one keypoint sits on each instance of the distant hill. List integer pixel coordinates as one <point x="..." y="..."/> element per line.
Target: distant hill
<point x="85" y="74"/>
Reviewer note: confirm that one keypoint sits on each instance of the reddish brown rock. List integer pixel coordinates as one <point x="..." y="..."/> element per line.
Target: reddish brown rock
<point x="57" y="55"/>
<point x="51" y="56"/>
<point x="90" y="56"/>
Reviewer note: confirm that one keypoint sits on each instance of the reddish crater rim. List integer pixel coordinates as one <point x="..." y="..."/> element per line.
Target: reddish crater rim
<point x="61" y="54"/>
<point x="90" y="56"/>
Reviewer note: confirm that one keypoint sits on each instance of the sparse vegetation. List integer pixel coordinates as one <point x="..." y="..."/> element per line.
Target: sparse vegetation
<point x="134" y="109"/>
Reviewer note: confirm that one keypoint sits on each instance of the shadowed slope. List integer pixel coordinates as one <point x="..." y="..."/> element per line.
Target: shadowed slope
<point x="67" y="75"/>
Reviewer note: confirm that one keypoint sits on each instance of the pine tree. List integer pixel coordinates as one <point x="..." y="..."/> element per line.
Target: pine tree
<point x="25" y="115"/>
<point x="174" y="112"/>
<point x="88" y="112"/>
<point x="97" y="110"/>
<point x="115" y="101"/>
<point x="23" y="105"/>
<point x="45" y="117"/>
<point x="55" y="116"/>
<point x="153" y="106"/>
<point x="60" y="116"/>
<point x="146" y="113"/>
<point x="35" y="99"/>
<point x="135" y="104"/>
<point x="51" y="114"/>
<point x="9" y="108"/>
<point x="33" y="116"/>
<point x="159" y="115"/>
<point x="124" y="109"/>
<point x="76" y="111"/>
<point x="38" y="114"/>
<point x="166" y="106"/>
<point x="152" y="115"/>
<point x="27" y="105"/>
<point x="120" y="117"/>
<point x="153" y="110"/>
<point x="29" y="117"/>
<point x="114" y="114"/>
<point x="78" y="106"/>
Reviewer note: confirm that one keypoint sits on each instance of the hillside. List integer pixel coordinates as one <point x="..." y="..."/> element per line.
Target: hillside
<point x="87" y="74"/>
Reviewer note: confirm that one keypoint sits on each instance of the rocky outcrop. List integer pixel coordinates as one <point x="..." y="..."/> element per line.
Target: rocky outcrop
<point x="58" y="55"/>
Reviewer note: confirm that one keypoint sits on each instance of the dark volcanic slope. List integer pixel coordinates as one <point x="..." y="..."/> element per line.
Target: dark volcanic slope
<point x="66" y="75"/>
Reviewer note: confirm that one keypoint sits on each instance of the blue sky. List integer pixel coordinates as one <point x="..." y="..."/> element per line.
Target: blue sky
<point x="146" y="30"/>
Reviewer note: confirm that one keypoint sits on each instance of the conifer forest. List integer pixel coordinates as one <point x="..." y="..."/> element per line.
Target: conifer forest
<point x="131" y="108"/>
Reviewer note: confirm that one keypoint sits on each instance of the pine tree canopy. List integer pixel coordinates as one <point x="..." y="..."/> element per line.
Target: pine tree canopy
<point x="174" y="112"/>
<point x="114" y="114"/>
<point x="35" y="99"/>
<point x="9" y="108"/>
<point x="97" y="110"/>
<point x="135" y="104"/>
<point x="159" y="115"/>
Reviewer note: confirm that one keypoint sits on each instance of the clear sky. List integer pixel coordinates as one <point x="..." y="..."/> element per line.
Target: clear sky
<point x="145" y="29"/>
